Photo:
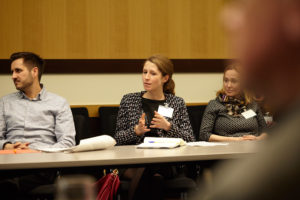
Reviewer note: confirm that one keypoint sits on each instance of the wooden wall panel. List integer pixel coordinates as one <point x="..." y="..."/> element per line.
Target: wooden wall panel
<point x="118" y="28"/>
<point x="98" y="28"/>
<point x="32" y="25"/>
<point x="139" y="28"/>
<point x="54" y="29"/>
<point x="76" y="38"/>
<point x="179" y="21"/>
<point x="10" y="27"/>
<point x="113" y="29"/>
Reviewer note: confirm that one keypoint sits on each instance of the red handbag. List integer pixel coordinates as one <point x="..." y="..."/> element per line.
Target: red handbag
<point x="107" y="186"/>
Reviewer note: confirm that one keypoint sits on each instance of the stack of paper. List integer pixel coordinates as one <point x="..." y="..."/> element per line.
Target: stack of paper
<point x="90" y="144"/>
<point x="161" y="143"/>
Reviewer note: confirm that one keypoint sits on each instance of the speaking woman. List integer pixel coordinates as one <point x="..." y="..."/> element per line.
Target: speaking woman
<point x="233" y="115"/>
<point x="155" y="112"/>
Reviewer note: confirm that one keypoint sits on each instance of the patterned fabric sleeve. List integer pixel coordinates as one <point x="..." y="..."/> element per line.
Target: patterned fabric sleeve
<point x="180" y="123"/>
<point x="125" y="124"/>
<point x="208" y="122"/>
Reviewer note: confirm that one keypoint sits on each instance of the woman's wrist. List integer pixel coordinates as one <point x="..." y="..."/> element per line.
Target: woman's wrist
<point x="168" y="126"/>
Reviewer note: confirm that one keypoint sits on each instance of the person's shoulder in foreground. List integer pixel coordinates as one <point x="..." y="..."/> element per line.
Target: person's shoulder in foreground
<point x="271" y="67"/>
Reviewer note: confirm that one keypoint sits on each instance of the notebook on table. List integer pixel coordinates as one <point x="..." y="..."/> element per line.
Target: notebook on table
<point x="161" y="143"/>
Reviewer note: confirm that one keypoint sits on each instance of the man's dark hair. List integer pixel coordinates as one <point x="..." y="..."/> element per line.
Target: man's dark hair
<point x="30" y="60"/>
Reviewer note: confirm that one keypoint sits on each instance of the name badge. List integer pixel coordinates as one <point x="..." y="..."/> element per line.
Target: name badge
<point x="165" y="111"/>
<point x="248" y="114"/>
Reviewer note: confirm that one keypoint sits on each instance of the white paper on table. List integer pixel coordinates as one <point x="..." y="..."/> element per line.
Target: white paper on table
<point x="206" y="144"/>
<point x="89" y="144"/>
<point x="53" y="150"/>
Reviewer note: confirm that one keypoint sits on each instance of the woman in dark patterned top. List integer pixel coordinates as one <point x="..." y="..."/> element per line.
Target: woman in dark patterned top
<point x="224" y="118"/>
<point x="138" y="116"/>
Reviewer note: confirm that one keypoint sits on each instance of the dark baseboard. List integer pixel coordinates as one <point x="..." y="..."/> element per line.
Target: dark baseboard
<point x="87" y="66"/>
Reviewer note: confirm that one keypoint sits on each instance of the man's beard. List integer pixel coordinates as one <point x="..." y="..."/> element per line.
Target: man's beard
<point x="24" y="85"/>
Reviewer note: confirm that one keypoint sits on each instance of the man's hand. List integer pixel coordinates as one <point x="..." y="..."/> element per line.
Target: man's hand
<point x="17" y="145"/>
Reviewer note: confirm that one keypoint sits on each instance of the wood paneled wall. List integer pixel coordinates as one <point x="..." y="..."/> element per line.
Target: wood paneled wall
<point x="113" y="29"/>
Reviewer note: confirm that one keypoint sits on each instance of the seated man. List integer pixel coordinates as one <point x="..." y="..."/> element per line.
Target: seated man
<point x="32" y="117"/>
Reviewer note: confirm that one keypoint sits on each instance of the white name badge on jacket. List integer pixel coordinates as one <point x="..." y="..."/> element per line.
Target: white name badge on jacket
<point x="165" y="111"/>
<point x="249" y="114"/>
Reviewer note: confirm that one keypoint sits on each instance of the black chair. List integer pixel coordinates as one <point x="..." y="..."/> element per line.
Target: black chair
<point x="108" y="120"/>
<point x="82" y="123"/>
<point x="195" y="115"/>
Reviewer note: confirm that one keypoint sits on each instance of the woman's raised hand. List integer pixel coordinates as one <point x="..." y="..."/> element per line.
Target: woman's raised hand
<point x="141" y="129"/>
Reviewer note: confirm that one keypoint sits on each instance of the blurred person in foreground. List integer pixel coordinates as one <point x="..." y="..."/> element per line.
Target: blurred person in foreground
<point x="266" y="37"/>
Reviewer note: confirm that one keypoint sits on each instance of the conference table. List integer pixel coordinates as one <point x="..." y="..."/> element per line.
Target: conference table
<point x="127" y="156"/>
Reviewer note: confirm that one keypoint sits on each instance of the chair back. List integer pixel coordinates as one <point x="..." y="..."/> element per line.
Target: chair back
<point x="195" y="115"/>
<point x="108" y="120"/>
<point x="82" y="123"/>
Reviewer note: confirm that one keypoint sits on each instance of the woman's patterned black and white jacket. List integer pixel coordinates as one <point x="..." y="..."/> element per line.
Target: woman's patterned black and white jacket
<point x="131" y="111"/>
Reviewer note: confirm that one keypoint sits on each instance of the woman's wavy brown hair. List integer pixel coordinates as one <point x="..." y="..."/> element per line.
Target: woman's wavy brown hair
<point x="166" y="67"/>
